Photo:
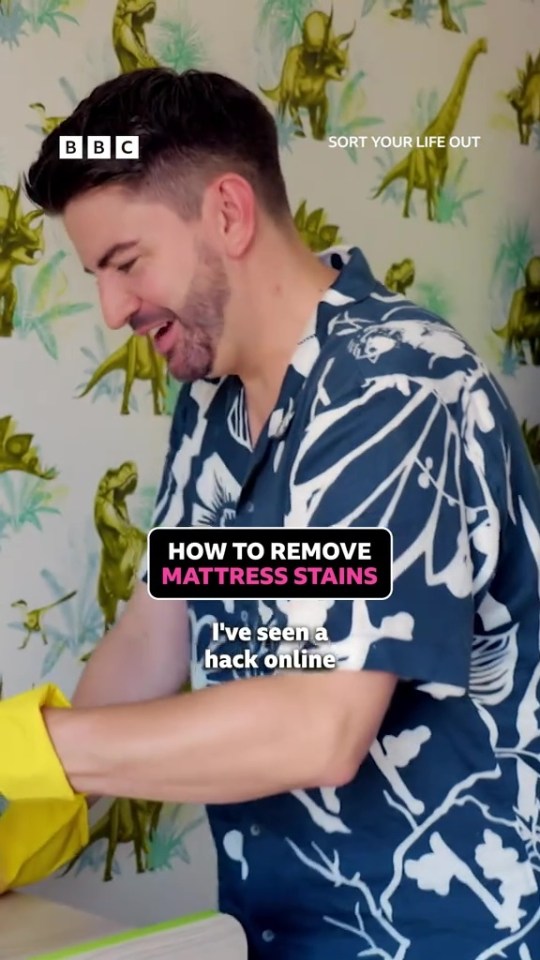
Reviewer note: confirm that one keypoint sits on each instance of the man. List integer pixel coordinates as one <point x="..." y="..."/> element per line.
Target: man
<point x="389" y="807"/>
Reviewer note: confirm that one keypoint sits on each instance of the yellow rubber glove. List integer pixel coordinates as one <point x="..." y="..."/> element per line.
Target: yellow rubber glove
<point x="43" y="823"/>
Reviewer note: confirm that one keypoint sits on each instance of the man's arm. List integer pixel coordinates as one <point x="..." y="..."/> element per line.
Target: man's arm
<point x="231" y="743"/>
<point x="389" y="455"/>
<point x="144" y="656"/>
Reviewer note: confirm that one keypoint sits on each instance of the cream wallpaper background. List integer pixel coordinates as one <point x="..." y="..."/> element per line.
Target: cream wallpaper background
<point x="65" y="458"/>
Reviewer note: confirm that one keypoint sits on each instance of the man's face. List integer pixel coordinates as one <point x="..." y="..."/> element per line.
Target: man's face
<point x="155" y="272"/>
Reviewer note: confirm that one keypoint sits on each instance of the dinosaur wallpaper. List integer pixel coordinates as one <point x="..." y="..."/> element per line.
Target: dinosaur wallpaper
<point x="408" y="127"/>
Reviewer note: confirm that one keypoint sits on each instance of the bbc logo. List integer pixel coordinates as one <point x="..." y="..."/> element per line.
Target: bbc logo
<point x="98" y="148"/>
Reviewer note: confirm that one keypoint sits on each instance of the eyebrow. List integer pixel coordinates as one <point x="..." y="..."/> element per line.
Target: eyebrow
<point x="112" y="252"/>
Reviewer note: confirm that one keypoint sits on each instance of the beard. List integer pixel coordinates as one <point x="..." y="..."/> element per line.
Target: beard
<point x="201" y="319"/>
<point x="197" y="327"/>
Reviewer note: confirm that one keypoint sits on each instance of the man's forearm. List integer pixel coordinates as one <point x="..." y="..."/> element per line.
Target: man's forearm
<point x="228" y="743"/>
<point x="125" y="669"/>
<point x="144" y="656"/>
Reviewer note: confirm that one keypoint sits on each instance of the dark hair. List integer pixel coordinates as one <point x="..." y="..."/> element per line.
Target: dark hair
<point x="191" y="127"/>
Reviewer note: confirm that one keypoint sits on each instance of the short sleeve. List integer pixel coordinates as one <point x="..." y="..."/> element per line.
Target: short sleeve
<point x="391" y="455"/>
<point x="164" y="507"/>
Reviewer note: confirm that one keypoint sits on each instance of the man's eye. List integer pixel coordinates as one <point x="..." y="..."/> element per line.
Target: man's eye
<point x="126" y="267"/>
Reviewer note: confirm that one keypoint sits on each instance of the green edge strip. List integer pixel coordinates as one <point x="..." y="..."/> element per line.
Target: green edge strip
<point x="118" y="938"/>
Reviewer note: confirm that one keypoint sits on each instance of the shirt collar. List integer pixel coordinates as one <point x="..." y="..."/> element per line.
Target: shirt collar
<point x="354" y="283"/>
<point x="355" y="280"/>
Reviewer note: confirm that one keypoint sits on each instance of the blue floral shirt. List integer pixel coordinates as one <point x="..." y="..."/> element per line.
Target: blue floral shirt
<point x="386" y="417"/>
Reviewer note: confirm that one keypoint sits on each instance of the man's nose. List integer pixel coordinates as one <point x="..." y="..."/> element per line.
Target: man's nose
<point x="117" y="306"/>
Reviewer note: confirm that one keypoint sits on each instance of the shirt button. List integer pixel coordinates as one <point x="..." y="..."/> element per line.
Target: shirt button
<point x="255" y="829"/>
<point x="268" y="935"/>
<point x="249" y="507"/>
